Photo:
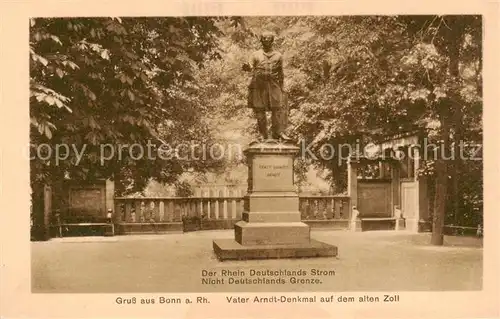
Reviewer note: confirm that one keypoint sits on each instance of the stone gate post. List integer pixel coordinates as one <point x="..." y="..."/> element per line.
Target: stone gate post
<point x="352" y="192"/>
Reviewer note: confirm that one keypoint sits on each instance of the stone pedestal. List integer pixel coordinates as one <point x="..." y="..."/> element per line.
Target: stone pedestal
<point x="271" y="226"/>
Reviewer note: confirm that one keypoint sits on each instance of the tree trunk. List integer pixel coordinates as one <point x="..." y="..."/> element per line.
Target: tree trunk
<point x="439" y="202"/>
<point x="450" y="110"/>
<point x="457" y="167"/>
<point x="441" y="188"/>
<point x="457" y="117"/>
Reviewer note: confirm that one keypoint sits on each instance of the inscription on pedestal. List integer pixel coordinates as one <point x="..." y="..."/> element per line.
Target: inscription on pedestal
<point x="273" y="170"/>
<point x="272" y="173"/>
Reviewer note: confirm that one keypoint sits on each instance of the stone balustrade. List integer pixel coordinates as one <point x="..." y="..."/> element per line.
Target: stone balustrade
<point x="218" y="209"/>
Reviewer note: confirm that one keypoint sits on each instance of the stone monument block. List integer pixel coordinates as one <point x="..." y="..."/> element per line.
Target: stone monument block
<point x="266" y="233"/>
<point x="271" y="226"/>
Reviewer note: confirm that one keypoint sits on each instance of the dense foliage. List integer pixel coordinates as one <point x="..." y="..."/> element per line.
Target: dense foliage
<point x="119" y="82"/>
<point x="134" y="80"/>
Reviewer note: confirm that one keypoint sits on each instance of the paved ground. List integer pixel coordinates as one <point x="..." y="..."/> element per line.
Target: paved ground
<point x="369" y="261"/>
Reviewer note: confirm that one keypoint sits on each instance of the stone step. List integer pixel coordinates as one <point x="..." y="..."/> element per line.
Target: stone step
<point x="378" y="224"/>
<point x="229" y="249"/>
<point x="271" y="217"/>
<point x="271" y="233"/>
<point x="272" y="203"/>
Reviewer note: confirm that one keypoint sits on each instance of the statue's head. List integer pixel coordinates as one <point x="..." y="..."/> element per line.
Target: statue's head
<point x="267" y="39"/>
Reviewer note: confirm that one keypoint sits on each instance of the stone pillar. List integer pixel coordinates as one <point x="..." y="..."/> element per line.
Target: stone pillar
<point x="422" y="209"/>
<point x="110" y="195"/>
<point x="381" y="169"/>
<point x="271" y="225"/>
<point x="396" y="195"/>
<point x="352" y="192"/>
<point x="395" y="186"/>
<point x="111" y="215"/>
<point x="412" y="222"/>
<point x="47" y="211"/>
<point x="423" y="205"/>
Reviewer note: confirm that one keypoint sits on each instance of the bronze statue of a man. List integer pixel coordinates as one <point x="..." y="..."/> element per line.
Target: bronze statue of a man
<point x="265" y="92"/>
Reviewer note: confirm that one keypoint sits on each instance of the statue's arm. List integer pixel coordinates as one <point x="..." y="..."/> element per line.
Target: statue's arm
<point x="281" y="74"/>
<point x="250" y="65"/>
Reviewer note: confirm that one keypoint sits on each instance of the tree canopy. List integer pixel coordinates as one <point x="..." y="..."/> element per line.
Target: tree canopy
<point x="99" y="81"/>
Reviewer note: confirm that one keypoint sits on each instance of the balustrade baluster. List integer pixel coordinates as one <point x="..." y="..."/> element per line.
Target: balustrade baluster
<point x="233" y="203"/>
<point x="330" y="208"/>
<point x="223" y="195"/>
<point x="156" y="210"/>
<point x="303" y="207"/>
<point x="345" y="212"/>
<point x="209" y="205"/>
<point x="183" y="207"/>
<point x="161" y="211"/>
<point x="138" y="211"/>
<point x="215" y="203"/>
<point x="171" y="211"/>
<point x="338" y="209"/>
<point x="309" y="208"/>
<point x="191" y="211"/>
<point x="146" y="211"/>
<point x="322" y="208"/>
<point x="198" y="202"/>
<point x="128" y="211"/>
<point x="314" y="210"/>
<point x="194" y="211"/>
